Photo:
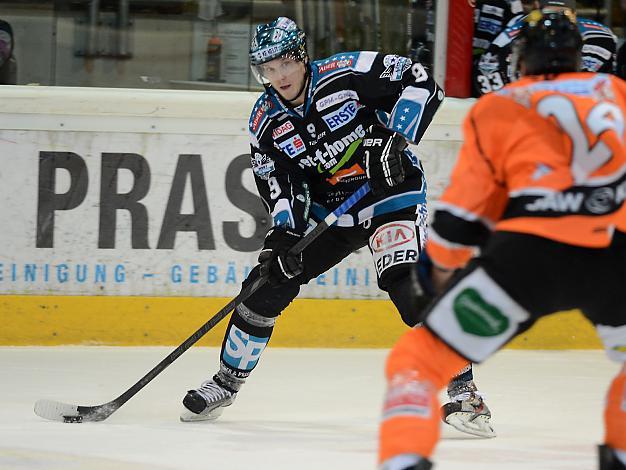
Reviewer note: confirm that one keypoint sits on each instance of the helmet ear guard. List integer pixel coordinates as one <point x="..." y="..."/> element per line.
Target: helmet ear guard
<point x="549" y="43"/>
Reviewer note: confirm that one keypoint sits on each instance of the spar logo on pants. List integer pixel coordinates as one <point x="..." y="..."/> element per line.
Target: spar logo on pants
<point x="242" y="350"/>
<point x="394" y="243"/>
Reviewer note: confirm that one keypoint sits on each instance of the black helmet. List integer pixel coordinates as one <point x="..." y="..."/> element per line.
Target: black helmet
<point x="548" y="43"/>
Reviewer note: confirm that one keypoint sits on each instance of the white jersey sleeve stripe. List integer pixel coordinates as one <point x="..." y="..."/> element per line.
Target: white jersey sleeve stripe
<point x="365" y="61"/>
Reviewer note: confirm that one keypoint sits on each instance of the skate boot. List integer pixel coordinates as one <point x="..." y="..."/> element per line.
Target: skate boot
<point x="207" y="402"/>
<point x="407" y="462"/>
<point x="467" y="411"/>
<point x="609" y="458"/>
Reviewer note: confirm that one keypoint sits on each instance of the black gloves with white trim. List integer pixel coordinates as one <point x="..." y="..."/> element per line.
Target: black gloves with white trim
<point x="278" y="264"/>
<point x="383" y="154"/>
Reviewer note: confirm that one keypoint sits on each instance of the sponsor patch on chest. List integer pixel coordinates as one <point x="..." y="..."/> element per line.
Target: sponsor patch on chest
<point x="293" y="146"/>
<point x="282" y="130"/>
<point x="341" y="116"/>
<point x="335" y="98"/>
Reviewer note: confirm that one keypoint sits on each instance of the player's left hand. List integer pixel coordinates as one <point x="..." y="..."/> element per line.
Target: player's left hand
<point x="383" y="155"/>
<point x="278" y="264"/>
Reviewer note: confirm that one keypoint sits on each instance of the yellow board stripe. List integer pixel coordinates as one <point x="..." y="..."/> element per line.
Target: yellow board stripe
<point x="311" y="323"/>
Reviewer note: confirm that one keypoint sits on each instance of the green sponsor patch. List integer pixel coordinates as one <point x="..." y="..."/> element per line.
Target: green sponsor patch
<point x="346" y="157"/>
<point x="478" y="317"/>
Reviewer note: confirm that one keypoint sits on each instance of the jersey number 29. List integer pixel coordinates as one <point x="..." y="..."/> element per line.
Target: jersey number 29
<point x="604" y="116"/>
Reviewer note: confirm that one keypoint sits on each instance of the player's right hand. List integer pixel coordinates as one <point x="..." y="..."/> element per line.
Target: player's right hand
<point x="276" y="261"/>
<point x="383" y="154"/>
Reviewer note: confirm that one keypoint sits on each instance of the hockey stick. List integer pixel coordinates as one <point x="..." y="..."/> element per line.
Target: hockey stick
<point x="57" y="411"/>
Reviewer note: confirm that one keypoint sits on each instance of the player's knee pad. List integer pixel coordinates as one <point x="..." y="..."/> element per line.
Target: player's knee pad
<point x="418" y="366"/>
<point x="615" y="413"/>
<point x="269" y="300"/>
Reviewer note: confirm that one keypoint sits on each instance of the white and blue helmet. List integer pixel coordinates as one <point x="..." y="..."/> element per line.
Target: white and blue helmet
<point x="279" y="38"/>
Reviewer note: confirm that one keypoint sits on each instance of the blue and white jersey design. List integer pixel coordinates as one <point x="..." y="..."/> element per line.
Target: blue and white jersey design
<point x="312" y="154"/>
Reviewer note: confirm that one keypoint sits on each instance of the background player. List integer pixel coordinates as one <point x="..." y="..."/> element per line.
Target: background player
<point x="538" y="189"/>
<point x="494" y="68"/>
<point x="491" y="17"/>
<point x="318" y="133"/>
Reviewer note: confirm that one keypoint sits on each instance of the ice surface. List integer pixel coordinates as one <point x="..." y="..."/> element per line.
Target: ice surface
<point x="302" y="409"/>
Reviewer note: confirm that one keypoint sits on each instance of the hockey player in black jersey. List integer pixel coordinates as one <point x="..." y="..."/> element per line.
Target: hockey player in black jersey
<point x="494" y="68"/>
<point x="319" y="132"/>
<point x="491" y="17"/>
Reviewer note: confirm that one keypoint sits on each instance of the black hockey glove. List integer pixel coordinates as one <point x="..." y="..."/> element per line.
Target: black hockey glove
<point x="277" y="263"/>
<point x="383" y="155"/>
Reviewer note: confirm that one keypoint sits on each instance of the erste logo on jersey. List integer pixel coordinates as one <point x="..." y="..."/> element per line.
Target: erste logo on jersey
<point x="283" y="129"/>
<point x="395" y="67"/>
<point x="292" y="147"/>
<point x="341" y="116"/>
<point x="335" y="98"/>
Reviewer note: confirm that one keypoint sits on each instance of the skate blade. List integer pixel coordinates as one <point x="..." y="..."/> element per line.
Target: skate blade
<point x="479" y="426"/>
<point x="190" y="417"/>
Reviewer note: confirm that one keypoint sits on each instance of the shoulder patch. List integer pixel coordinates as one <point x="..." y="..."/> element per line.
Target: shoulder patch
<point x="336" y="63"/>
<point x="259" y="113"/>
<point x="262" y="165"/>
<point x="589" y="25"/>
<point x="395" y="66"/>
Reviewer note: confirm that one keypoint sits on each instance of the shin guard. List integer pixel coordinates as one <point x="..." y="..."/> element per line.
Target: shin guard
<point x="615" y="414"/>
<point x="418" y="366"/>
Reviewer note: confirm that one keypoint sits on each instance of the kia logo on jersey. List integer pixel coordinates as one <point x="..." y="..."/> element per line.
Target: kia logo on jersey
<point x="292" y="147"/>
<point x="392" y="235"/>
<point x="394" y="243"/>
<point x="284" y="129"/>
<point x="342" y="116"/>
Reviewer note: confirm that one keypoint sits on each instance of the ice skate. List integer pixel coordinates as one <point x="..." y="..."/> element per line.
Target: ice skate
<point x="610" y="459"/>
<point x="467" y="411"/>
<point x="207" y="402"/>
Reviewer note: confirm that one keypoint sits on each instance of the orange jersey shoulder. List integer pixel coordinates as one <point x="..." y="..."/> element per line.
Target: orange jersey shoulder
<point x="545" y="157"/>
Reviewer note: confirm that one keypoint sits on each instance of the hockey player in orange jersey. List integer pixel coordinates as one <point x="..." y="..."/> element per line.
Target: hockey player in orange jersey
<point x="532" y="223"/>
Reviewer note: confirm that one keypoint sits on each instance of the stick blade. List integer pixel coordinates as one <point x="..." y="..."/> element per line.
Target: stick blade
<point x="57" y="411"/>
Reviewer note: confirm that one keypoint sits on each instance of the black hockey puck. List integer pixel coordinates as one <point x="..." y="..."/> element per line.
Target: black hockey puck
<point x="73" y="419"/>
